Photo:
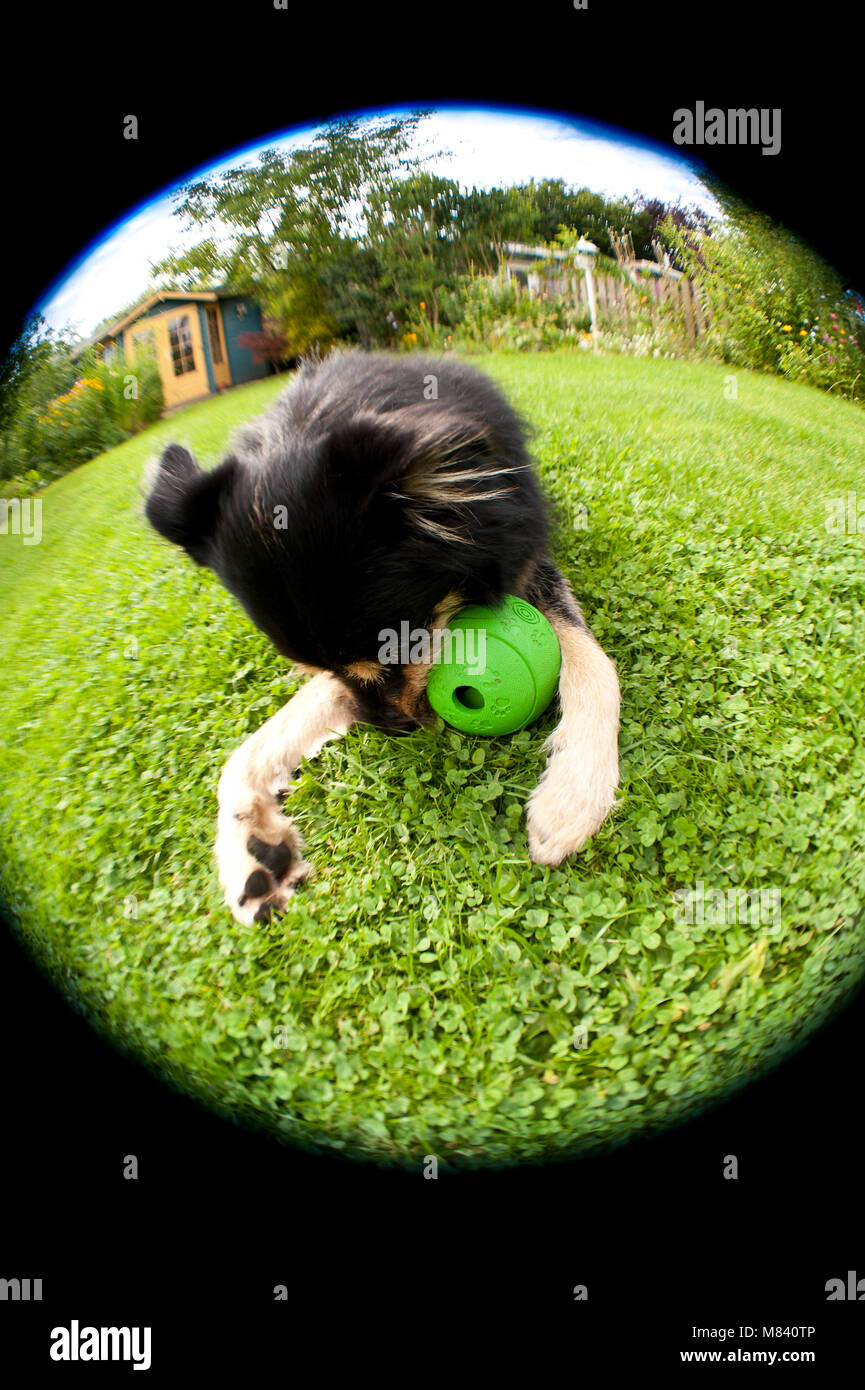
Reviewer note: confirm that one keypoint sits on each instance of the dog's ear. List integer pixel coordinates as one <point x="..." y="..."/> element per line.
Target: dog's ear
<point x="185" y="501"/>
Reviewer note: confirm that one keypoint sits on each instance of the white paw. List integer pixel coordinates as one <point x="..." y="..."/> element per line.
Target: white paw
<point x="260" y="858"/>
<point x="571" y="801"/>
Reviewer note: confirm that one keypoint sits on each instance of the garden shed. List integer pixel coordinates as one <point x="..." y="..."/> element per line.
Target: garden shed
<point x="196" y="337"/>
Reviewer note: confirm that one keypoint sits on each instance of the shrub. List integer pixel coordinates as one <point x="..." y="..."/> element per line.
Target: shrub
<point x="38" y="367"/>
<point x="828" y="353"/>
<point x="301" y="313"/>
<point x="106" y="403"/>
<point x="497" y="315"/>
<point x="267" y="344"/>
<point x="775" y="305"/>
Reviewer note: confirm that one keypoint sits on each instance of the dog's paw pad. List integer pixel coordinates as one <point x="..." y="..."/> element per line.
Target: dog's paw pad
<point x="259" y="871"/>
<point x="282" y="861"/>
<point x="255" y="886"/>
<point x="277" y="858"/>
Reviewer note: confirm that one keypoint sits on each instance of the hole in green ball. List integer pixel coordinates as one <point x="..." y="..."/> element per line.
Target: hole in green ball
<point x="468" y="697"/>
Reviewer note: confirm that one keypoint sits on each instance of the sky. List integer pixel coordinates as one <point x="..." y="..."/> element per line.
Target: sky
<point x="486" y="148"/>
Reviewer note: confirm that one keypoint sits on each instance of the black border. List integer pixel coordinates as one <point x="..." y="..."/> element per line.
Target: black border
<point x="220" y="1215"/>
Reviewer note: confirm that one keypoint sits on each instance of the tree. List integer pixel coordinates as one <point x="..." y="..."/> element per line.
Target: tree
<point x="35" y="349"/>
<point x="490" y="218"/>
<point x="272" y="227"/>
<point x="413" y="229"/>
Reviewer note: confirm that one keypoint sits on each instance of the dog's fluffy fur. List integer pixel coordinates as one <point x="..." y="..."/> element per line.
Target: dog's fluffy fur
<point x="375" y="491"/>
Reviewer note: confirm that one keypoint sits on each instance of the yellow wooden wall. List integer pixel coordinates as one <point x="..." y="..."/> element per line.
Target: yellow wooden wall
<point x="178" y="389"/>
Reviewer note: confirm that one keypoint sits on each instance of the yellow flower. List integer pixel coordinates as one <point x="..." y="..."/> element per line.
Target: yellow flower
<point x="422" y="305"/>
<point x="787" y="328"/>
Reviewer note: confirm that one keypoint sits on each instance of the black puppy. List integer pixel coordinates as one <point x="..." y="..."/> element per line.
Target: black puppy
<point x="377" y="491"/>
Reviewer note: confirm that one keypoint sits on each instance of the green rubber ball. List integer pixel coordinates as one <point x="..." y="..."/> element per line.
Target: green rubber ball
<point x="498" y="670"/>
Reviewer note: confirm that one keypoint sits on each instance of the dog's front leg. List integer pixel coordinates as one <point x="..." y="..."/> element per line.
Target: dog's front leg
<point x="577" y="790"/>
<point x="258" y="849"/>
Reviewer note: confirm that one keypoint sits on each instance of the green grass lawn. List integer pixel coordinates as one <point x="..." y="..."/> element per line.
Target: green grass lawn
<point x="421" y="995"/>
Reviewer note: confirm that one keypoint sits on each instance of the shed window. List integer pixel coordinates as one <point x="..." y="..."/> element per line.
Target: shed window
<point x="180" y="338"/>
<point x="213" y="334"/>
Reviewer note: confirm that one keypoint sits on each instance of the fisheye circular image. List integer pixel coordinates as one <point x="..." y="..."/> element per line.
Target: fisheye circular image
<point x="431" y="548"/>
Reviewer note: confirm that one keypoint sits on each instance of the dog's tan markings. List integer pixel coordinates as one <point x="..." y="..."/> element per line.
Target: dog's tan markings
<point x="369" y="672"/>
<point x="438" y="444"/>
<point x="436" y="529"/>
<point x="440" y="474"/>
<point x="414" y="677"/>
<point x="252" y="832"/>
<point x="437" y="483"/>
<point x="411" y="695"/>
<point x="303" y="669"/>
<point x="447" y="609"/>
<point x="259" y="511"/>
<point x="577" y="790"/>
<point x="524" y="578"/>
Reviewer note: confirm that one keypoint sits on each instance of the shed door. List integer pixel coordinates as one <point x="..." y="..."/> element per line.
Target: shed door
<point x="221" y="373"/>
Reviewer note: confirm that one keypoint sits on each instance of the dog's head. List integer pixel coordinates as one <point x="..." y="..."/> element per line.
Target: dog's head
<point x="335" y="520"/>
